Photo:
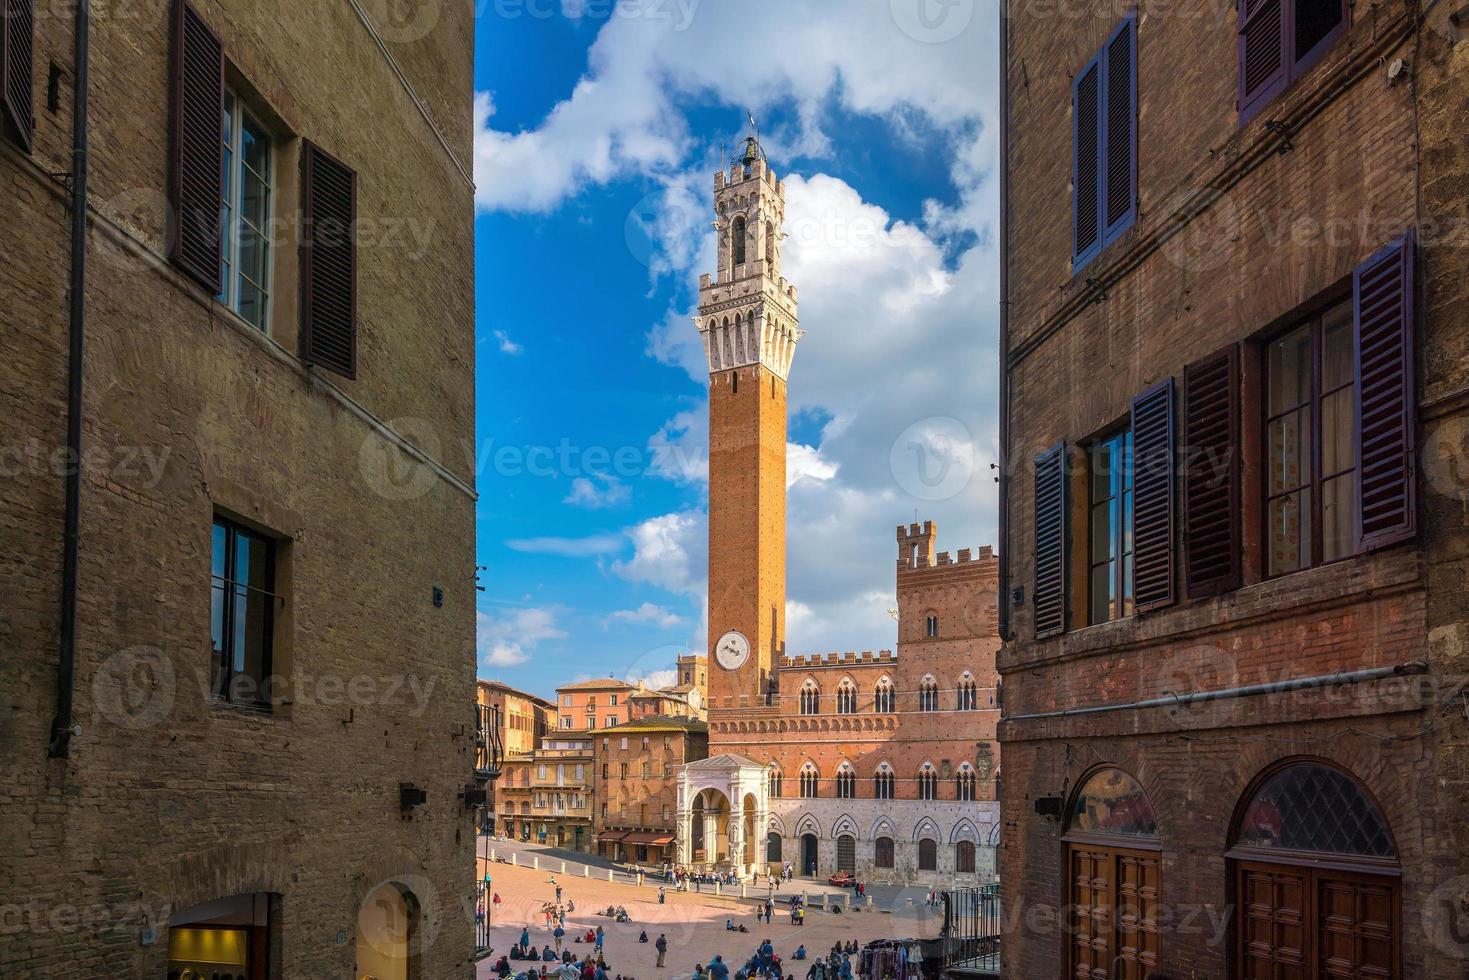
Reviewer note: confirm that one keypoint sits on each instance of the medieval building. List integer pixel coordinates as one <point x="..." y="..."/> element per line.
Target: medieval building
<point x="881" y="764"/>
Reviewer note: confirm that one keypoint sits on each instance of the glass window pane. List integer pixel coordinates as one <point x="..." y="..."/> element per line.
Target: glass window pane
<point x="1126" y="598"/>
<point x="1289" y="370"/>
<point x="1337" y="368"/>
<point x="1310" y="807"/>
<point x="1289" y="449"/>
<point x="1337" y="429"/>
<point x="1101" y="472"/>
<point x="1102" y="586"/>
<point x="1339" y="517"/>
<point x="255" y="147"/>
<point x="1314" y="20"/>
<point x="1289" y="540"/>
<point x="1124" y="521"/>
<point x="1101" y="532"/>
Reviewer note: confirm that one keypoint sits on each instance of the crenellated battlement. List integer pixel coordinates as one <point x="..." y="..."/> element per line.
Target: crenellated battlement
<point x="848" y="659"/>
<point x="916" y="549"/>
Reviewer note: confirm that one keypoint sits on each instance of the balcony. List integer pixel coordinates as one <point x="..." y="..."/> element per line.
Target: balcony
<point x="489" y="752"/>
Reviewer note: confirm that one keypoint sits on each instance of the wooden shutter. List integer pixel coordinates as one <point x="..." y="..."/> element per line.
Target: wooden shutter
<point x="1120" y="128"/>
<point x="1152" y="497"/>
<point x="328" y="262"/>
<point x="195" y="147"/>
<point x="1086" y="179"/>
<point x="1382" y="290"/>
<point x="1211" y="474"/>
<point x="1049" y="598"/>
<point x="1263" y="59"/>
<point x="17" y="41"/>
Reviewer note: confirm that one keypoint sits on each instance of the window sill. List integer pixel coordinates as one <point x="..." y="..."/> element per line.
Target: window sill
<point x="255" y="709"/>
<point x="1341" y="583"/>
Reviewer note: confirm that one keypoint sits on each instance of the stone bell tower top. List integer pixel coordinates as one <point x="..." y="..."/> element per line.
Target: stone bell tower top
<point x="747" y="310"/>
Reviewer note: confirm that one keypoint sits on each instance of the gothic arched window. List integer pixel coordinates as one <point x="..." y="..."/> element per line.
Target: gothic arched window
<point x="810" y="698"/>
<point x="809" y="781"/>
<point x="774" y="781"/>
<point x="928" y="783"/>
<point x="847" y="697"/>
<point x="882" y="783"/>
<point x="928" y="695"/>
<point x="737" y="240"/>
<point x="964" y="784"/>
<point x="846" y="782"/>
<point x="883" y="697"/>
<point x="968" y="693"/>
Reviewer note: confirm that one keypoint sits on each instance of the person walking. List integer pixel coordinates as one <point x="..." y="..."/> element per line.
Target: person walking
<point x="662" y="898"/>
<point x="525" y="938"/>
<point x="558" y="934"/>
<point x="717" y="968"/>
<point x="662" y="947"/>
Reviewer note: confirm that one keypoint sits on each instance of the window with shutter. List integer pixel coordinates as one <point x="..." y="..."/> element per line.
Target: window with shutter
<point x="1104" y="121"/>
<point x="1211" y="475"/>
<point x="1278" y="41"/>
<point x="196" y="178"/>
<point x="329" y="264"/>
<point x="17" y="42"/>
<point x="1152" y="480"/>
<point x="1383" y="292"/>
<point x="1049" y="590"/>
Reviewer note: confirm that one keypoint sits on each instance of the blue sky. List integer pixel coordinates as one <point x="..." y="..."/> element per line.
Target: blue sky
<point x="598" y="130"/>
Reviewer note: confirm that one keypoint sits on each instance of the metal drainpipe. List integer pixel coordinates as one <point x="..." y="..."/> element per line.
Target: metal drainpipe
<point x="61" y="726"/>
<point x="1411" y="668"/>
<point x="1004" y="506"/>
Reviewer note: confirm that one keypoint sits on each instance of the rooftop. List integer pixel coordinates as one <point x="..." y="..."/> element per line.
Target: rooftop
<point x="597" y="684"/>
<point x="658" y="723"/>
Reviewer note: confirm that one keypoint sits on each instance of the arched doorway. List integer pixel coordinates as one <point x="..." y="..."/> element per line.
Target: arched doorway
<point x="1112" y="872"/>
<point x="748" y="840"/>
<point x="387" y="934"/>
<point x="808" y="855"/>
<point x="847" y="853"/>
<point x="1310" y="848"/>
<point x="773" y="847"/>
<point x="710" y="823"/>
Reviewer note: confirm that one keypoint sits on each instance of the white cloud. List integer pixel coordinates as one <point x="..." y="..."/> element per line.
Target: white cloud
<point x="508" y="639"/>
<point x="648" y="612"/>
<point x="657" y="679"/>
<point x="587" y="547"/>
<point x="598" y="491"/>
<point x="669" y="553"/>
<point x="900" y="316"/>
<point x="507" y="346"/>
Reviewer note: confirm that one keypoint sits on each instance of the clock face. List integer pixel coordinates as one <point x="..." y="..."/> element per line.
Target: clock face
<point x="732" y="650"/>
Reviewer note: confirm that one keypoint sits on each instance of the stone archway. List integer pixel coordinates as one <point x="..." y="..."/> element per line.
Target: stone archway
<point x="710" y="840"/>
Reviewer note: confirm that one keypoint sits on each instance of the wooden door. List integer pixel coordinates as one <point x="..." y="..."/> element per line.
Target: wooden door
<point x="1138" y="940"/>
<point x="1091" y="913"/>
<point x="1316" y="924"/>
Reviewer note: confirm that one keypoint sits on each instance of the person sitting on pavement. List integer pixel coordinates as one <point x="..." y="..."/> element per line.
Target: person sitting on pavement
<point x="548" y="954"/>
<point x="800" y="953"/>
<point x="643" y="936"/>
<point x="502" y="967"/>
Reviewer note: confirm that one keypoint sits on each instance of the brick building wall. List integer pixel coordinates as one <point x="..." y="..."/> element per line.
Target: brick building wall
<point x="636" y="783"/>
<point x="167" y="800"/>
<point x="596" y="703"/>
<point x="1240" y="229"/>
<point x="957" y="591"/>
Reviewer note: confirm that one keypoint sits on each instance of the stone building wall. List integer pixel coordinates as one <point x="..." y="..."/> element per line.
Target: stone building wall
<point x="168" y="801"/>
<point x="1239" y="228"/>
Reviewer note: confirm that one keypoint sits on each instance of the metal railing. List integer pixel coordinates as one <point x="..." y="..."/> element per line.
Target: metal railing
<point x="483" y="913"/>
<point x="489" y="753"/>
<point x="971" y="934"/>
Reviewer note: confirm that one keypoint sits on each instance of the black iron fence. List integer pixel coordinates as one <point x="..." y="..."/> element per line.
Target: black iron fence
<point x="483" y="911"/>
<point x="971" y="934"/>
<point x="488" y="752"/>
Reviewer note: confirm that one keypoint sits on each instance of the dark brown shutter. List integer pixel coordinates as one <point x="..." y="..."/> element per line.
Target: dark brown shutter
<point x="1049" y="598"/>
<point x="1263" y="59"/>
<point x="1086" y="211"/>
<point x="1121" y="124"/>
<point x="1386" y="417"/>
<point x="1152" y="497"/>
<point x="1211" y="474"/>
<point x="195" y="148"/>
<point x="328" y="262"/>
<point x="17" y="40"/>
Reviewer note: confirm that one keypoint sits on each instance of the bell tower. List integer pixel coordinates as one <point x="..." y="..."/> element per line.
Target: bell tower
<point x="747" y="321"/>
